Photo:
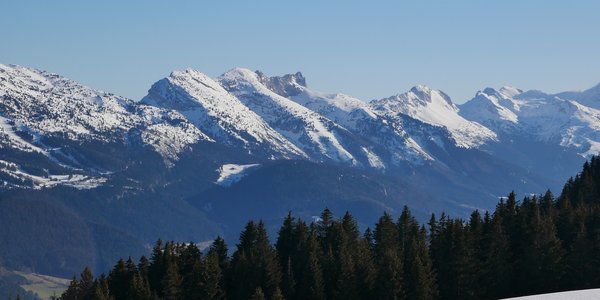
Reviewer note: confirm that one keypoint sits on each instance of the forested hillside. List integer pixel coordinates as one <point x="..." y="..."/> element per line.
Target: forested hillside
<point x="536" y="245"/>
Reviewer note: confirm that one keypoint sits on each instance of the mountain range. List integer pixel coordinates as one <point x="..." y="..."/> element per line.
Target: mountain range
<point x="87" y="176"/>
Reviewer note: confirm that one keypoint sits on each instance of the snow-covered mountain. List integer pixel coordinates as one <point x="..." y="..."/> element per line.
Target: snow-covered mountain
<point x="388" y="138"/>
<point x="278" y="118"/>
<point x="38" y="107"/>
<point x="175" y="163"/>
<point x="218" y="113"/>
<point x="553" y="119"/>
<point x="435" y="108"/>
<point x="319" y="137"/>
<point x="42" y="103"/>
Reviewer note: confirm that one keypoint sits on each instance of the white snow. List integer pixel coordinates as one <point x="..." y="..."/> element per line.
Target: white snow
<point x="48" y="104"/>
<point x="359" y="117"/>
<point x="491" y="105"/>
<point x="591" y="294"/>
<point x="232" y="173"/>
<point x="15" y="141"/>
<point x="340" y="108"/>
<point x="77" y="181"/>
<point x="215" y="111"/>
<point x="435" y="108"/>
<point x="538" y="115"/>
<point x="306" y="129"/>
<point x="374" y="160"/>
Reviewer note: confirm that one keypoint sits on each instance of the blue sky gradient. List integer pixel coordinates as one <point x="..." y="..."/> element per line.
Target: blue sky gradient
<point x="368" y="49"/>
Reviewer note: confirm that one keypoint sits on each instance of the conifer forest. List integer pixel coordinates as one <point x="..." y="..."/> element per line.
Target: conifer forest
<point x="530" y="245"/>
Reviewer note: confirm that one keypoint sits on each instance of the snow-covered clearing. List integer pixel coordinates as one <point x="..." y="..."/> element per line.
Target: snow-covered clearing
<point x="570" y="295"/>
<point x="232" y="173"/>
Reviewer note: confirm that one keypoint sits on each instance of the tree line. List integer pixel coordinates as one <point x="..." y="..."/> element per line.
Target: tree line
<point x="536" y="245"/>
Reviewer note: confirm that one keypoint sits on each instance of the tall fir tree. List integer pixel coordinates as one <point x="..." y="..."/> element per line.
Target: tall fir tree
<point x="212" y="280"/>
<point x="171" y="281"/>
<point x="254" y="264"/>
<point x="390" y="282"/>
<point x="496" y="271"/>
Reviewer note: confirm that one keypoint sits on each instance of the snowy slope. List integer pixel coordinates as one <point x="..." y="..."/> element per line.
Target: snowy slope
<point x="27" y="180"/>
<point x="40" y="103"/>
<point x="491" y="106"/>
<point x="218" y="113"/>
<point x="353" y="114"/>
<point x="544" y="117"/>
<point x="591" y="294"/>
<point x="232" y="173"/>
<point x="316" y="135"/>
<point x="435" y="108"/>
<point x="9" y="138"/>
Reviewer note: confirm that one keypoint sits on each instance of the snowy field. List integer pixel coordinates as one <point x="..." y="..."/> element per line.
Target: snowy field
<point x="572" y="295"/>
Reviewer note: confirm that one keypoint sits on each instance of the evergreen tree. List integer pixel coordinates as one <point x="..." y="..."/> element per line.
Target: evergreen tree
<point x="419" y="277"/>
<point x="286" y="246"/>
<point x="539" y="263"/>
<point x="80" y="288"/>
<point x="366" y="272"/>
<point x="171" y="281"/>
<point x="212" y="280"/>
<point x="144" y="267"/>
<point x="219" y="248"/>
<point x="72" y="292"/>
<point x="86" y="282"/>
<point x="496" y="271"/>
<point x="157" y="268"/>
<point x="254" y="264"/>
<point x="119" y="280"/>
<point x="278" y="295"/>
<point x="258" y="294"/>
<point x="389" y="283"/>
<point x="189" y="262"/>
<point x="100" y="290"/>
<point x="307" y="270"/>
<point x="139" y="289"/>
<point x="579" y="262"/>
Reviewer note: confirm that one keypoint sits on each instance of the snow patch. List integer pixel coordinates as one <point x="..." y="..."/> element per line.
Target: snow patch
<point x="374" y="160"/>
<point x="232" y="173"/>
<point x="590" y="294"/>
<point x="78" y="181"/>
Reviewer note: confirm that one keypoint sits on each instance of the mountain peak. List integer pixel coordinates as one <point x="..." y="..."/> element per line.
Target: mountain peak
<point x="489" y="91"/>
<point x="421" y="88"/>
<point x="239" y="72"/>
<point x="510" y="91"/>
<point x="423" y="93"/>
<point x="287" y="85"/>
<point x="237" y="76"/>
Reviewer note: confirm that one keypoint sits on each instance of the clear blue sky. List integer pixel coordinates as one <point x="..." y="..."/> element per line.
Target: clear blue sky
<point x="369" y="49"/>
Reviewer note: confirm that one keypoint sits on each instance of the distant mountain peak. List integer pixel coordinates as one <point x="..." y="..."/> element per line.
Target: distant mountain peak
<point x="510" y="91"/>
<point x="436" y="108"/>
<point x="421" y="88"/>
<point x="287" y="85"/>
<point x="424" y="94"/>
<point x="489" y="91"/>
